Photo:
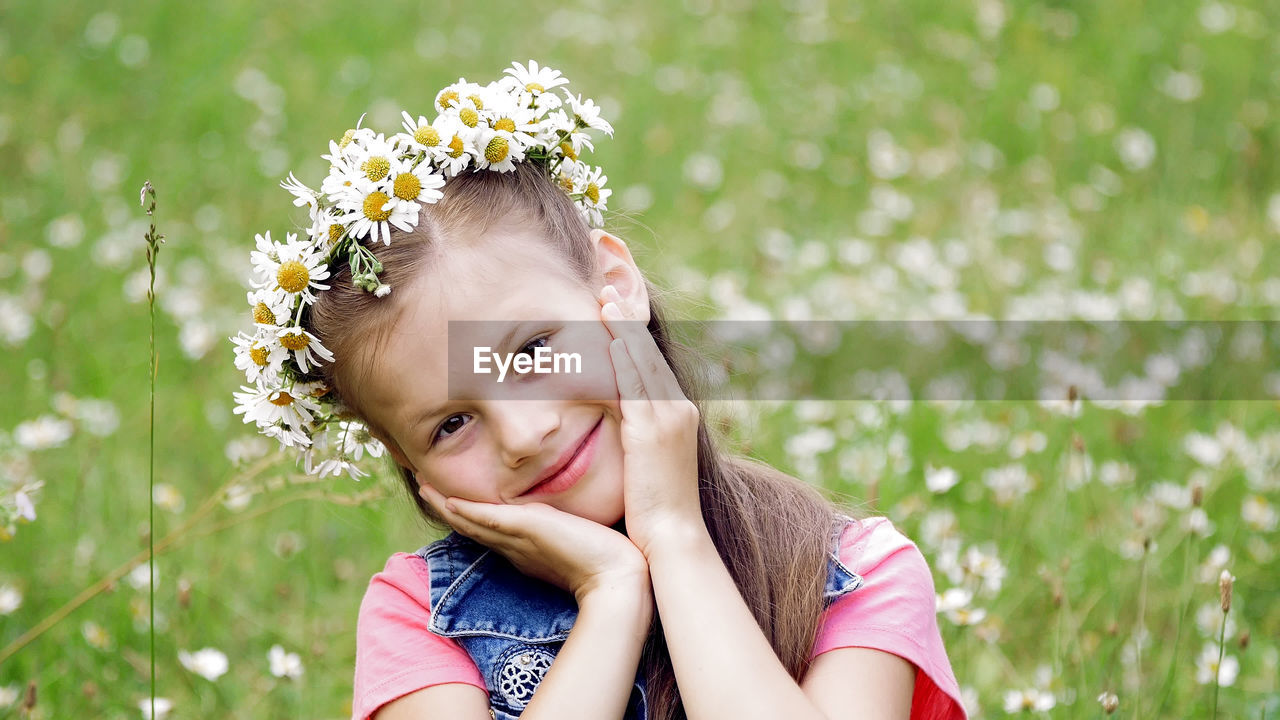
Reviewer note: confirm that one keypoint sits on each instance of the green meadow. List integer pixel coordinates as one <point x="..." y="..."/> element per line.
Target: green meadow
<point x="802" y="161"/>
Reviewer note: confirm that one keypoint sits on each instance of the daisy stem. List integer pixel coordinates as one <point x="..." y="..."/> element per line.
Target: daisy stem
<point x="154" y="241"/>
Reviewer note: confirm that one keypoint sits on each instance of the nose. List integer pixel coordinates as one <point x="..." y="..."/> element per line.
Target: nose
<point x="521" y="429"/>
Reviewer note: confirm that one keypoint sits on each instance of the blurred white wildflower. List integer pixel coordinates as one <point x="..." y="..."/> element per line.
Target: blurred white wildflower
<point x="1113" y="473"/>
<point x="1031" y="699"/>
<point x="1258" y="513"/>
<point x="140" y="577"/>
<point x="937" y="526"/>
<point x="10" y="599"/>
<point x="163" y="707"/>
<point x="16" y="323"/>
<point x="1217" y="17"/>
<point x="243" y="449"/>
<point x="1136" y="147"/>
<point x="885" y="158"/>
<point x="46" y="431"/>
<point x="1218" y="558"/>
<point x="209" y="663"/>
<point x="940" y="480"/>
<point x="1109" y="702"/>
<point x="1208" y="667"/>
<point x="8" y="695"/>
<point x="168" y="498"/>
<point x="238" y="497"/>
<point x="1204" y="449"/>
<point x="1209" y="618"/>
<point x="284" y="664"/>
<point x="1179" y="85"/>
<point x="95" y="635"/>
<point x="1008" y="483"/>
<point x="703" y="171"/>
<point x="1197" y="521"/>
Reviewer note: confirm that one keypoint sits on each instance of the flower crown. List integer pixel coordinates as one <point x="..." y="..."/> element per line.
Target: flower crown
<point x="375" y="183"/>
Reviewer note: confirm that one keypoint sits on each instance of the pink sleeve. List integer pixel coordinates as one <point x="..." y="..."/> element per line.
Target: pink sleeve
<point x="894" y="611"/>
<point x="395" y="652"/>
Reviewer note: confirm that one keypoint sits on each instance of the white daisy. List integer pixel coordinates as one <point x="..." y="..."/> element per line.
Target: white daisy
<point x="450" y="96"/>
<point x="304" y="346"/>
<point x="325" y="230"/>
<point x="560" y="130"/>
<point x="296" y="270"/>
<point x="259" y="358"/>
<point x="334" y="466"/>
<point x="370" y="212"/>
<point x="209" y="663"/>
<point x="534" y="79"/>
<point x="284" y="664"/>
<point x="269" y="309"/>
<point x="269" y="406"/>
<point x="288" y="436"/>
<point x="457" y="149"/>
<point x="357" y="440"/>
<point x="587" y="113"/>
<point x="302" y="195"/>
<point x="594" y="198"/>
<point x="414" y="184"/>
<point x="500" y="150"/>
<point x="421" y="135"/>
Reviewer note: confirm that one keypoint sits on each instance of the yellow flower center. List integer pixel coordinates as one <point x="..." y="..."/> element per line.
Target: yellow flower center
<point x="407" y="186"/>
<point x="566" y="182"/>
<point x="448" y="97"/>
<point x="376" y="168"/>
<point x="593" y="193"/>
<point x="475" y="99"/>
<point x="427" y="135"/>
<point x="373" y="206"/>
<point x="505" y="124"/>
<point x="346" y="138"/>
<point x="262" y="314"/>
<point x="567" y="149"/>
<point x="469" y="117"/>
<point x="455" y="147"/>
<point x="282" y="399"/>
<point x="293" y="276"/>
<point x="294" y="341"/>
<point x="496" y="150"/>
<point x="335" y="234"/>
<point x="320" y="391"/>
<point x="534" y="88"/>
<point x="258" y="355"/>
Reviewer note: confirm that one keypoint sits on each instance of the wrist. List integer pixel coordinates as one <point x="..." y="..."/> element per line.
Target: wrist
<point x="619" y="596"/>
<point x="676" y="537"/>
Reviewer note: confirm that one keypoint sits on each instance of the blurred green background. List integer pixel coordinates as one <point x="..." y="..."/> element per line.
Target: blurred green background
<point x="800" y="160"/>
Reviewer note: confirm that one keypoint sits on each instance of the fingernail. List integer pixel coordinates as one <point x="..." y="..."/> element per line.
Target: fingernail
<point x="611" y="293"/>
<point x="611" y="311"/>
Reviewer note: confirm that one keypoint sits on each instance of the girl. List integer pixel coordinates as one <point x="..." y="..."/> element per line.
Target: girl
<point x="607" y="559"/>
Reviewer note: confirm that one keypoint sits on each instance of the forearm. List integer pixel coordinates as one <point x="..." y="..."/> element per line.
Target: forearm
<point x="592" y="675"/>
<point x="717" y="649"/>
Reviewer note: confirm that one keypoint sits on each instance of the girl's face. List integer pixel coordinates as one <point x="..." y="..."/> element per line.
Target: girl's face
<point x="469" y="435"/>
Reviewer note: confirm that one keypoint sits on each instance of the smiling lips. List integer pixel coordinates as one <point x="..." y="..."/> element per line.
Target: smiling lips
<point x="570" y="468"/>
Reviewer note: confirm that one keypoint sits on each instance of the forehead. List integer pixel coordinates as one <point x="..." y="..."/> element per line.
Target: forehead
<point x="484" y="289"/>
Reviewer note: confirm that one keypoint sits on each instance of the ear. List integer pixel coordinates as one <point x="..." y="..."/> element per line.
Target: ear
<point x="615" y="266"/>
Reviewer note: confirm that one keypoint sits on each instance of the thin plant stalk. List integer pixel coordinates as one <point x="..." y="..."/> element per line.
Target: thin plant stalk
<point x="1140" y="629"/>
<point x="154" y="240"/>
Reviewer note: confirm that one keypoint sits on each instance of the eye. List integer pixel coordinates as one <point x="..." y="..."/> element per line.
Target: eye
<point x="534" y="344"/>
<point x="448" y="421"/>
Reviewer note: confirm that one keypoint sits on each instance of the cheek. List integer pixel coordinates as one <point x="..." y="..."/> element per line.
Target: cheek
<point x="596" y="383"/>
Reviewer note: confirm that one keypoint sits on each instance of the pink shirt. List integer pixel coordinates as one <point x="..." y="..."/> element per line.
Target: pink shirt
<point x="893" y="611"/>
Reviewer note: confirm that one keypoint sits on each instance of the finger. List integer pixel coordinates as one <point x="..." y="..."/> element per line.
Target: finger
<point x="631" y="390"/>
<point x="659" y="380"/>
<point x="467" y="517"/>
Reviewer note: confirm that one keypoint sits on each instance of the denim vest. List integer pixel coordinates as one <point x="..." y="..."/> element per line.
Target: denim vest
<point x="513" y="625"/>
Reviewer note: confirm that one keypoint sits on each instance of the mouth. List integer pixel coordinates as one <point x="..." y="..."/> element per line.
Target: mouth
<point x="569" y="469"/>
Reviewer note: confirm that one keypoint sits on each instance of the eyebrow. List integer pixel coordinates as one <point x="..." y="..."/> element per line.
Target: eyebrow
<point x="504" y="341"/>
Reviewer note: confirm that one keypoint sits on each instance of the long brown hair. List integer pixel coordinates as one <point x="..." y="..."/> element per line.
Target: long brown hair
<point x="771" y="530"/>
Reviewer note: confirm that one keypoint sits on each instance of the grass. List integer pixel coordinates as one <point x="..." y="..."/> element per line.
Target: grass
<point x="215" y="103"/>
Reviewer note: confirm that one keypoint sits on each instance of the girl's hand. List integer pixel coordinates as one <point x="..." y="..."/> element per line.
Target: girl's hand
<point x="659" y="432"/>
<point x="573" y="553"/>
